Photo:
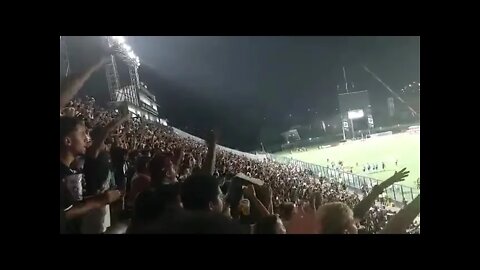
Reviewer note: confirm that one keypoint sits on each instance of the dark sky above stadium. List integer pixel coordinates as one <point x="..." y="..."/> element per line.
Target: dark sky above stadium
<point x="240" y="85"/>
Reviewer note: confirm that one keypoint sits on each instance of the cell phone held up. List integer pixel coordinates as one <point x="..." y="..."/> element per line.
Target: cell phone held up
<point x="235" y="190"/>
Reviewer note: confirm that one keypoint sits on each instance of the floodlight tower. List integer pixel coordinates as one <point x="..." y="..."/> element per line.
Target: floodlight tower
<point x="113" y="80"/>
<point x="123" y="52"/>
<point x="141" y="102"/>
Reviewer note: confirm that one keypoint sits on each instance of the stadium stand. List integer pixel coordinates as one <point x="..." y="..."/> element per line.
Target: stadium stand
<point x="180" y="181"/>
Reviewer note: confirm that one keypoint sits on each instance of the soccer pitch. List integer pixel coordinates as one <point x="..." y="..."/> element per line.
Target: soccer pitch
<point x="403" y="147"/>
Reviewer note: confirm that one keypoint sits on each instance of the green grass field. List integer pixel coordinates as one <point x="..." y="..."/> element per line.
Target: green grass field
<point x="403" y="147"/>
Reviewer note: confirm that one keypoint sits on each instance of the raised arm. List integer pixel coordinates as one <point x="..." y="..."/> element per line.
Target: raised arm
<point x="249" y="192"/>
<point x="209" y="164"/>
<point x="400" y="222"/>
<point x="74" y="82"/>
<point x="98" y="142"/>
<point x="363" y="206"/>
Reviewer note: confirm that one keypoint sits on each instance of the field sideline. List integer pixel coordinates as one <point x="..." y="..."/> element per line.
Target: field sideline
<point x="403" y="147"/>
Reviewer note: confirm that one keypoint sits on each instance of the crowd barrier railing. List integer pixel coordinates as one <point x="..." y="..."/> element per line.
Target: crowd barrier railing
<point x="397" y="192"/>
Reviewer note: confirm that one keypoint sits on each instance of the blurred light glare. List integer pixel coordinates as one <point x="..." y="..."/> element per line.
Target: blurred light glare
<point x="119" y="39"/>
<point x="355" y="114"/>
<point x="127" y="47"/>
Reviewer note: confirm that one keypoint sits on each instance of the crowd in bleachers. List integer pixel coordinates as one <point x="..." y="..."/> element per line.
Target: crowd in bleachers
<point x="115" y="168"/>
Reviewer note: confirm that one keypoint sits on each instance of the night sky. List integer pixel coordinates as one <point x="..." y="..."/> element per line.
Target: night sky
<point x="241" y="85"/>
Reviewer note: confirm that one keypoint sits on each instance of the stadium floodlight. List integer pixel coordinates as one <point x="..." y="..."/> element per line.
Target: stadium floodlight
<point x="355" y="114"/>
<point x="131" y="55"/>
<point x="119" y="39"/>
<point x="126" y="47"/>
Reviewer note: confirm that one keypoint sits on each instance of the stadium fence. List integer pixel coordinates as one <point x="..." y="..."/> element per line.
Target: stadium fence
<point x="398" y="193"/>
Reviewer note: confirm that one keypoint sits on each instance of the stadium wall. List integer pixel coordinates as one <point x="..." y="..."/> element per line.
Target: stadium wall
<point x="184" y="134"/>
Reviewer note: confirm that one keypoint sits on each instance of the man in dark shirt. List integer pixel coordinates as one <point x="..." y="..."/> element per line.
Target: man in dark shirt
<point x="72" y="144"/>
<point x="119" y="159"/>
<point x="98" y="172"/>
<point x="97" y="161"/>
<point x="66" y="202"/>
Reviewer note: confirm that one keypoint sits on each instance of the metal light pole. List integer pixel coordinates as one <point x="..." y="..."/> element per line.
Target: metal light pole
<point x="353" y="131"/>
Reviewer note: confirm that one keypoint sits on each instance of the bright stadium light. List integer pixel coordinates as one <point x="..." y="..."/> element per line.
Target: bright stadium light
<point x="125" y="50"/>
<point x="355" y="114"/>
<point x="119" y="39"/>
<point x="410" y="85"/>
<point x="126" y="47"/>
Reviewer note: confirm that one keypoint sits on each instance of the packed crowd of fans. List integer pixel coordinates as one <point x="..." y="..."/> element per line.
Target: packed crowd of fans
<point x="115" y="168"/>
